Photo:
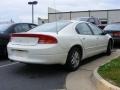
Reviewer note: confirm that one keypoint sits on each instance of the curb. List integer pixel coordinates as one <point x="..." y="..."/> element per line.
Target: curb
<point x="102" y="84"/>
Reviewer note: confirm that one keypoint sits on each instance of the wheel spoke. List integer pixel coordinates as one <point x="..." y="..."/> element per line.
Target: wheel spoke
<point x="75" y="59"/>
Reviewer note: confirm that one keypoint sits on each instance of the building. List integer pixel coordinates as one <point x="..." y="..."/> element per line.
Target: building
<point x="109" y="15"/>
<point x="42" y="21"/>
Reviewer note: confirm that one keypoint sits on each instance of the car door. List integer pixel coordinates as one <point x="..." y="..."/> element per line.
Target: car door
<point x="87" y="38"/>
<point x="101" y="42"/>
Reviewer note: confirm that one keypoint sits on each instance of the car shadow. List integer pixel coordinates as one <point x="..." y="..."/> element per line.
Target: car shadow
<point x="117" y="46"/>
<point x="3" y="58"/>
<point x="36" y="71"/>
<point x="38" y="77"/>
<point x="93" y="58"/>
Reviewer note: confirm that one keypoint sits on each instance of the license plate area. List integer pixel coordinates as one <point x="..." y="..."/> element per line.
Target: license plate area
<point x="19" y="53"/>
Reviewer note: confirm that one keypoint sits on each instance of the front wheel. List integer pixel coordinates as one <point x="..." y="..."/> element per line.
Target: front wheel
<point x="73" y="59"/>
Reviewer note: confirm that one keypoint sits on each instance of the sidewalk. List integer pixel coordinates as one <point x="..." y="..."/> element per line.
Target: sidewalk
<point x="81" y="79"/>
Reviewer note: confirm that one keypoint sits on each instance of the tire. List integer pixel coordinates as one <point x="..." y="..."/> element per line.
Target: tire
<point x="73" y="59"/>
<point x="109" y="48"/>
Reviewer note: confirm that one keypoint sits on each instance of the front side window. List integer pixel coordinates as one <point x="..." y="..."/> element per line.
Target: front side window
<point x="51" y="27"/>
<point x="83" y="29"/>
<point x="95" y="29"/>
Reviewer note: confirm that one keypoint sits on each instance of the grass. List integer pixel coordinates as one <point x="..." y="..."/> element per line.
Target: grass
<point x="111" y="71"/>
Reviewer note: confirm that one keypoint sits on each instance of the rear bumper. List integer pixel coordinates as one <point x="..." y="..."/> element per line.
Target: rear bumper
<point x="45" y="54"/>
<point x="40" y="59"/>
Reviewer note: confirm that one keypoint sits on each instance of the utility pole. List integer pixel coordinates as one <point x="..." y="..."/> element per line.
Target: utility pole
<point x="33" y="3"/>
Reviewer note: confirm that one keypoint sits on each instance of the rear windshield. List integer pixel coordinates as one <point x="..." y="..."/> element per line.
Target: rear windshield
<point x="113" y="27"/>
<point x="4" y="27"/>
<point x="51" y="27"/>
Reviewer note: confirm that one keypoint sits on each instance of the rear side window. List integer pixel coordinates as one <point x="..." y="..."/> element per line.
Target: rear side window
<point x="95" y="29"/>
<point x="83" y="29"/>
<point x="51" y="27"/>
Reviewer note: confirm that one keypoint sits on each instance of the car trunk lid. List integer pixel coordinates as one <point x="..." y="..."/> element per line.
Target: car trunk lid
<point x="32" y="39"/>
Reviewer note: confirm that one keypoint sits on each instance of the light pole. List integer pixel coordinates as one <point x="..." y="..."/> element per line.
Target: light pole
<point x="32" y="3"/>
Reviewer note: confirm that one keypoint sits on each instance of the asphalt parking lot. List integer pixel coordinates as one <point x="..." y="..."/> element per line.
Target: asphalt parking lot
<point x="18" y="76"/>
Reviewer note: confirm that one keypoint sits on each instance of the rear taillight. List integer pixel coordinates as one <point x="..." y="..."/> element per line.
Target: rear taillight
<point x="42" y="39"/>
<point x="116" y="34"/>
<point x="45" y="39"/>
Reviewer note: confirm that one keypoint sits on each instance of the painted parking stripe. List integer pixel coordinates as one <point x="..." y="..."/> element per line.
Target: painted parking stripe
<point x="6" y="65"/>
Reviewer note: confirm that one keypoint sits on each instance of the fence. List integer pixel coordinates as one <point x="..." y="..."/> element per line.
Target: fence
<point x="110" y="15"/>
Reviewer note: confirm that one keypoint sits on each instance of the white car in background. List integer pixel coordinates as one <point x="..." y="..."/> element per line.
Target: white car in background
<point x="61" y="42"/>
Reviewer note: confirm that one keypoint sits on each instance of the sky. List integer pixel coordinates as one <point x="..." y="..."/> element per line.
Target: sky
<point x="20" y="11"/>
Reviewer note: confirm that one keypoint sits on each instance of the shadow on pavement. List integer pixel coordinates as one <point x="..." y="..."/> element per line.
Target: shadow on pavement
<point x="35" y="77"/>
<point x="117" y="46"/>
<point x="36" y="71"/>
<point x="88" y="60"/>
<point x="3" y="58"/>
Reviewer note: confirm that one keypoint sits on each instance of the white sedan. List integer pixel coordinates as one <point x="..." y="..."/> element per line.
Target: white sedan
<point x="61" y="42"/>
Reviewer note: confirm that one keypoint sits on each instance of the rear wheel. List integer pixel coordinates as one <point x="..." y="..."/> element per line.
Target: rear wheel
<point x="109" y="48"/>
<point x="73" y="59"/>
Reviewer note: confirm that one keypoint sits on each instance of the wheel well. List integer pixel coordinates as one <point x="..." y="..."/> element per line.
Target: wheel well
<point x="78" y="46"/>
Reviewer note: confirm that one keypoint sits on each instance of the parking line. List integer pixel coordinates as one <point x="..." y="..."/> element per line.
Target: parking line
<point x="8" y="64"/>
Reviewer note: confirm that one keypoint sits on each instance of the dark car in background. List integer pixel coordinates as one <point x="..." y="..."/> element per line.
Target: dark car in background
<point x="114" y="30"/>
<point x="7" y="29"/>
<point x="92" y="20"/>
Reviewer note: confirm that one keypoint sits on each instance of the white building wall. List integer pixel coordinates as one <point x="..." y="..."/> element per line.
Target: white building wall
<point x="59" y="16"/>
<point x="79" y="14"/>
<point x="110" y="15"/>
<point x="114" y="16"/>
<point x="99" y="14"/>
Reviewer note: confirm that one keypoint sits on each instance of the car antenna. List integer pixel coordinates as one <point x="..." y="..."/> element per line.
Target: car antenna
<point x="56" y="17"/>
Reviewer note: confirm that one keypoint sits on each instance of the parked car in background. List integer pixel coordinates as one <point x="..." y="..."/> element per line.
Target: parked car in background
<point x="61" y="42"/>
<point x="114" y="30"/>
<point x="7" y="29"/>
<point x="92" y="20"/>
<point x="104" y="22"/>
